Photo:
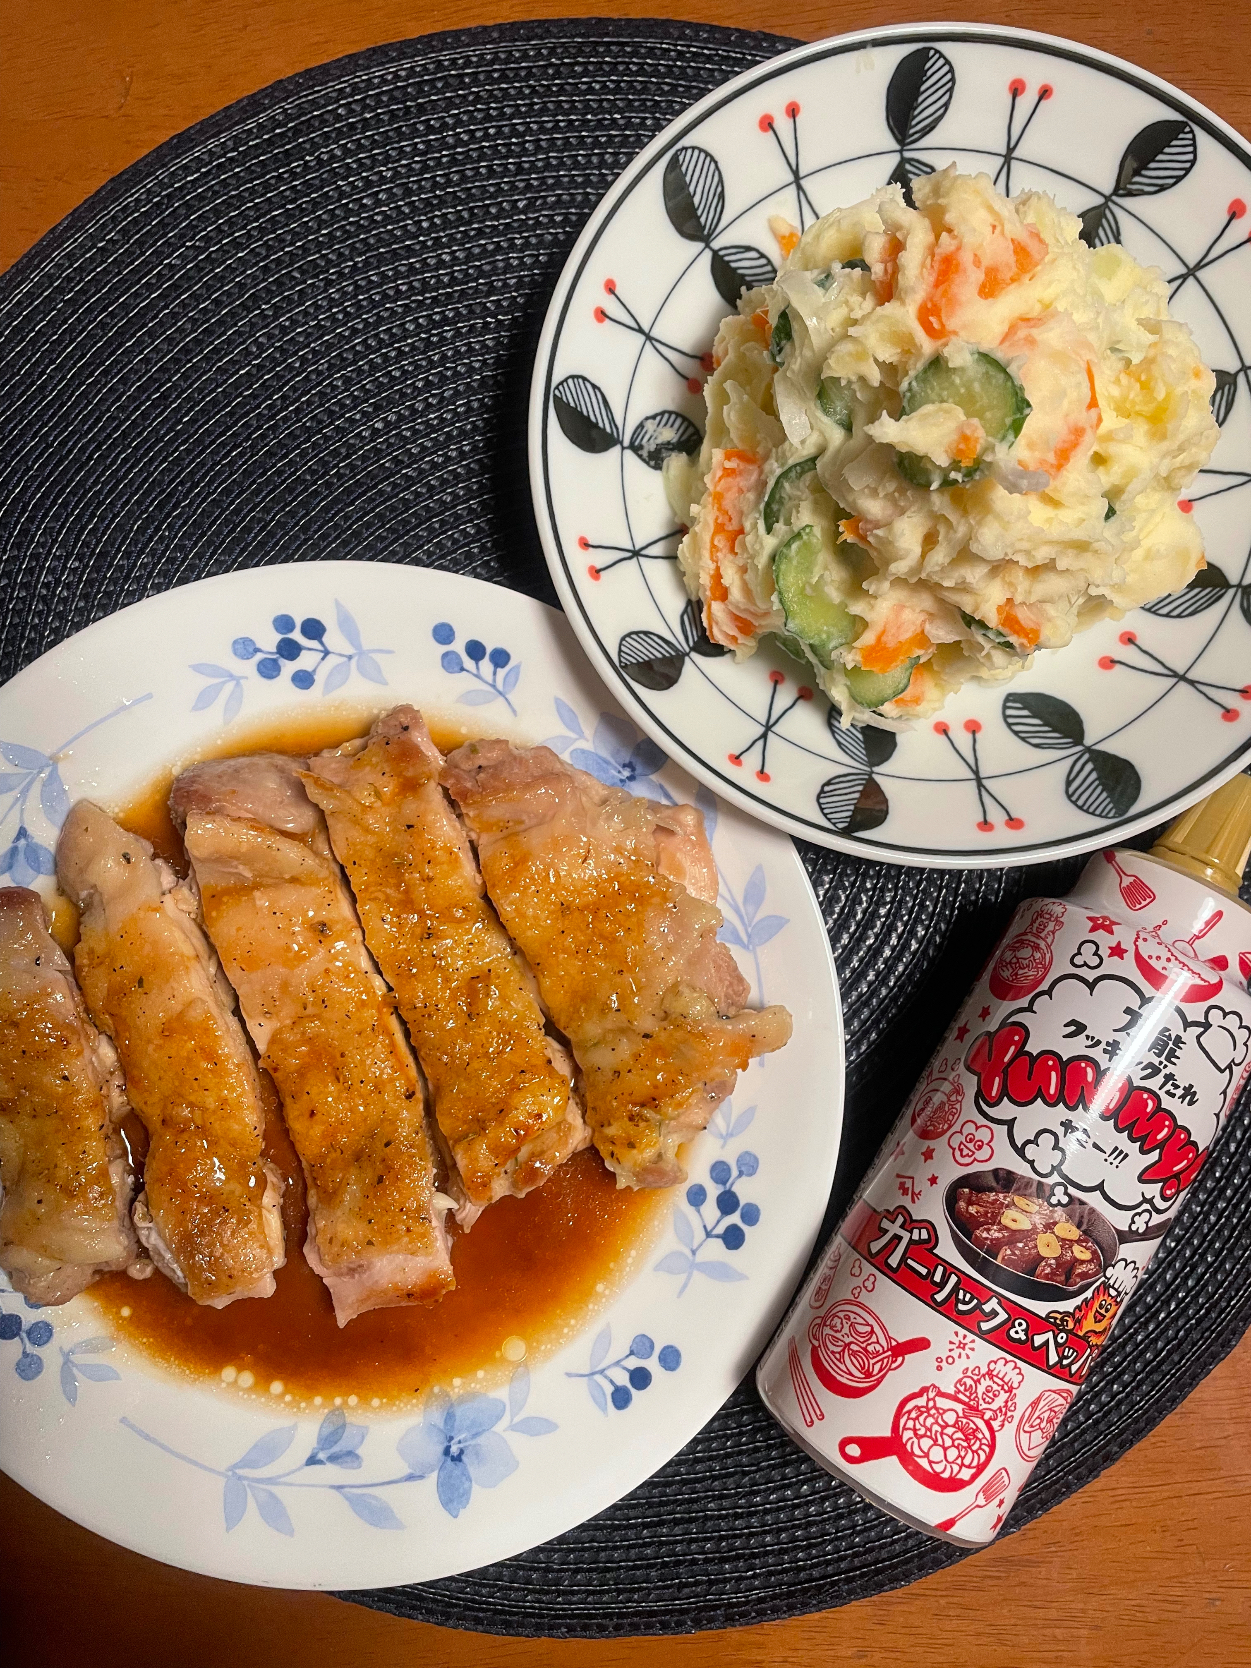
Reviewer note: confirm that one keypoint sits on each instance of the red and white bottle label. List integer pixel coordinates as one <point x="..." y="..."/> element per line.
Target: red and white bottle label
<point x="1030" y="1178"/>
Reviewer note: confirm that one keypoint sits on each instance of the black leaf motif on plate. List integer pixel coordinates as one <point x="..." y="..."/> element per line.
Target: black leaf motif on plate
<point x="1102" y="784"/>
<point x="739" y="267"/>
<point x="919" y="94"/>
<point x="853" y="803"/>
<point x="1157" y="158"/>
<point x="694" y="193"/>
<point x="1043" y="721"/>
<point x="695" y="637"/>
<point x="1207" y="587"/>
<point x="1223" y="395"/>
<point x="650" y="659"/>
<point x="661" y="435"/>
<point x="907" y="169"/>
<point x="1244" y="602"/>
<point x="585" y="415"/>
<point x="1100" y="226"/>
<point x="867" y="746"/>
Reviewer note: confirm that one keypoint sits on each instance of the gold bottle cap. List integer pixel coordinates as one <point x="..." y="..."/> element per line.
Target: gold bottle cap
<point x="1213" y="838"/>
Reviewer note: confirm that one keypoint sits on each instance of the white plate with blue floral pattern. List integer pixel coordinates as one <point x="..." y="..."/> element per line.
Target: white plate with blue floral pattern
<point x="242" y="1484"/>
<point x="1131" y="722"/>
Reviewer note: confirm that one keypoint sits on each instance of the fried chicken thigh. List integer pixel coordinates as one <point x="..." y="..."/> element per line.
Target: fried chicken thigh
<point x="611" y="899"/>
<point x="209" y="1212"/>
<point x="283" y="923"/>
<point x="500" y="1087"/>
<point x="66" y="1181"/>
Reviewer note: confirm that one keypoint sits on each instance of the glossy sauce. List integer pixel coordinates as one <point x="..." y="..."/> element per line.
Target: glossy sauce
<point x="527" y="1278"/>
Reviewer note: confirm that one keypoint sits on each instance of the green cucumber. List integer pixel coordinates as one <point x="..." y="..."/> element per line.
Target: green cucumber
<point x="1109" y="512"/>
<point x="775" y="503"/>
<point x="783" y="331"/>
<point x="874" y="689"/>
<point x="791" y="645"/>
<point x="984" y="389"/>
<point x="836" y="399"/>
<point x="999" y="638"/>
<point x="811" y="616"/>
<point x="855" y="264"/>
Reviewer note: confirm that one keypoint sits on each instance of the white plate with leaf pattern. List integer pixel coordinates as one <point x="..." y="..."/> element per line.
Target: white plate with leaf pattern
<point x="248" y="1485"/>
<point x="1131" y="722"/>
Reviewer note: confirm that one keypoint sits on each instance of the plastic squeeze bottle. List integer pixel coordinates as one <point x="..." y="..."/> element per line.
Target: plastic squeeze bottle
<point x="1013" y="1208"/>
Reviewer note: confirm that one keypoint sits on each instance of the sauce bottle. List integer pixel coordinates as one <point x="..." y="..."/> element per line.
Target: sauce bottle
<point x="978" y="1273"/>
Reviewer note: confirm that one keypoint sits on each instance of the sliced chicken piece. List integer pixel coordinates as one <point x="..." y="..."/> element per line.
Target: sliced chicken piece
<point x="209" y="1214"/>
<point x="283" y="923"/>
<point x="65" y="1176"/>
<point x="612" y="901"/>
<point x="500" y="1087"/>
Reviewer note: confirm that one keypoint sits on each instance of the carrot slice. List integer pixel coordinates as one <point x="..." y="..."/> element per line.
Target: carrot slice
<point x="735" y="475"/>
<point x="886" y="270"/>
<point x="886" y="651"/>
<point x="1015" y="626"/>
<point x="945" y="271"/>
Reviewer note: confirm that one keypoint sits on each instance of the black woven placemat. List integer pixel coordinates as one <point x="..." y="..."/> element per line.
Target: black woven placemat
<point x="305" y="329"/>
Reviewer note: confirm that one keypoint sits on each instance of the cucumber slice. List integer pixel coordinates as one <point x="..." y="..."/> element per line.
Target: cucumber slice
<point x="792" y="646"/>
<point x="783" y="481"/>
<point x="874" y="689"/>
<point x="836" y="399"/>
<point x="783" y="331"/>
<point x="999" y="638"/>
<point x="984" y="389"/>
<point x="816" y="619"/>
<point x="924" y="472"/>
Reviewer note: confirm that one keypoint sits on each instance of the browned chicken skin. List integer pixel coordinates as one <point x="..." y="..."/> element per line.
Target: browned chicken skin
<point x="611" y="899"/>
<point x="66" y="1181"/>
<point x="282" y="920"/>
<point x="209" y="1212"/>
<point x="500" y="1086"/>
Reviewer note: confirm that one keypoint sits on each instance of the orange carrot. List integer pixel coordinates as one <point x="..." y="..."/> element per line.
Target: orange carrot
<point x="968" y="443"/>
<point x="1015" y="626"/>
<point x="736" y="475"/>
<point x="916" y="692"/>
<point x="886" y="269"/>
<point x="896" y="641"/>
<point x="1008" y="269"/>
<point x="945" y="271"/>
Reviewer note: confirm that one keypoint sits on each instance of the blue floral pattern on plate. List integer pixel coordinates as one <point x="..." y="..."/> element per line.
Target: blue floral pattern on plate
<point x="727" y="1229"/>
<point x="32" y="1336"/>
<point x="501" y="682"/>
<point x="456" y="1442"/>
<point x="38" y="775"/>
<point x="36" y="1335"/>
<point x="727" y="1125"/>
<point x="620" y="756"/>
<point x="621" y="1380"/>
<point x="292" y="644"/>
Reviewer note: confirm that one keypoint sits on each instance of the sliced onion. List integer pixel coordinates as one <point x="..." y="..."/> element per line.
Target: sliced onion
<point x="792" y="409"/>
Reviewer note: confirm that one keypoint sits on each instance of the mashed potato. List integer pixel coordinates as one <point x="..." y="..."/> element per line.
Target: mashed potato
<point x="945" y="437"/>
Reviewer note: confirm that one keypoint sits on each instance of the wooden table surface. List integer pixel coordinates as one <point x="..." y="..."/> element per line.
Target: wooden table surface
<point x="1149" y="1565"/>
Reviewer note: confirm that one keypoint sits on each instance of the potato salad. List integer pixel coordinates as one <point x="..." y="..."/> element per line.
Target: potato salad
<point x="945" y="437"/>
